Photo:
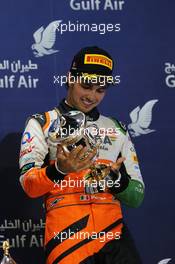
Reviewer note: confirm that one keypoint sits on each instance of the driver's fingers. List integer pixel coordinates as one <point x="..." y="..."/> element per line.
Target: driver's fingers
<point x="85" y="165"/>
<point x="88" y="155"/>
<point x="116" y="165"/>
<point x="75" y="152"/>
<point x="61" y="153"/>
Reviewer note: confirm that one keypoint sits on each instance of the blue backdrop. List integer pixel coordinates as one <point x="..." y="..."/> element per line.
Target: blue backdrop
<point x="140" y="37"/>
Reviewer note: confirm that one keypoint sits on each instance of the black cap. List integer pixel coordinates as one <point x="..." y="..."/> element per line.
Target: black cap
<point x="92" y="60"/>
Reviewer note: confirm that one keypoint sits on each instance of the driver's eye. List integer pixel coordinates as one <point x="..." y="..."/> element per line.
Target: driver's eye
<point x="86" y="86"/>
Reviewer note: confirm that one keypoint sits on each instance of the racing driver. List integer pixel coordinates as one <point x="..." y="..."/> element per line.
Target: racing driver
<point x="84" y="223"/>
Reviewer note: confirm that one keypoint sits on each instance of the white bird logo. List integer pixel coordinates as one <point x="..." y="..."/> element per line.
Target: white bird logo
<point x="164" y="261"/>
<point x="45" y="39"/>
<point x="141" y="119"/>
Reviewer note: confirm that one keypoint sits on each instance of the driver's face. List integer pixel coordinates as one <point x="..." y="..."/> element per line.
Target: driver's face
<point x="85" y="97"/>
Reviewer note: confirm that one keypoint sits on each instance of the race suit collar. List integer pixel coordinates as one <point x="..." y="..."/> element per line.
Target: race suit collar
<point x="92" y="115"/>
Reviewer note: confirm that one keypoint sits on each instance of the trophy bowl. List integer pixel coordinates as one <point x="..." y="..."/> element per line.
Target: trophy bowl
<point x="71" y="130"/>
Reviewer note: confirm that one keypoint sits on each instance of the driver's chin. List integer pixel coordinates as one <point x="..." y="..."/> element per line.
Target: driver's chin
<point x="83" y="108"/>
<point x="86" y="109"/>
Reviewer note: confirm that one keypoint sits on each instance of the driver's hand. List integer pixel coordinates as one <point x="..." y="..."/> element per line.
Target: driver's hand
<point x="77" y="159"/>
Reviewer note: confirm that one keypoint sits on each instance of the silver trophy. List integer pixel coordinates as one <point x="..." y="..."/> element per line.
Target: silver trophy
<point x="7" y="259"/>
<point x="71" y="130"/>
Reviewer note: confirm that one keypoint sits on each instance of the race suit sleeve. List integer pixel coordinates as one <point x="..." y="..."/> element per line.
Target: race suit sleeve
<point x="36" y="179"/>
<point x="133" y="194"/>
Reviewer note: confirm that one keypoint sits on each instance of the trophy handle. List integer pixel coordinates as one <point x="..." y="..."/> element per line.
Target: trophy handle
<point x="7" y="259"/>
<point x="60" y="116"/>
<point x="57" y="111"/>
<point x="6" y="247"/>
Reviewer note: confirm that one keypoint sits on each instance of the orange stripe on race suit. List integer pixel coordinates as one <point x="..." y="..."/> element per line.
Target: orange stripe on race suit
<point x="100" y="217"/>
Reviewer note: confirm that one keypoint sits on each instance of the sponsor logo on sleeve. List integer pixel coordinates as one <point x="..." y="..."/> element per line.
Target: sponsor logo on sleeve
<point x="135" y="159"/>
<point x="136" y="167"/>
<point x="26" y="151"/>
<point x="132" y="148"/>
<point x="27" y="138"/>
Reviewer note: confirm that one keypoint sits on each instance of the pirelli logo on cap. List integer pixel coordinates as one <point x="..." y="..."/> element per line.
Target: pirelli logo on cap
<point x="98" y="59"/>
